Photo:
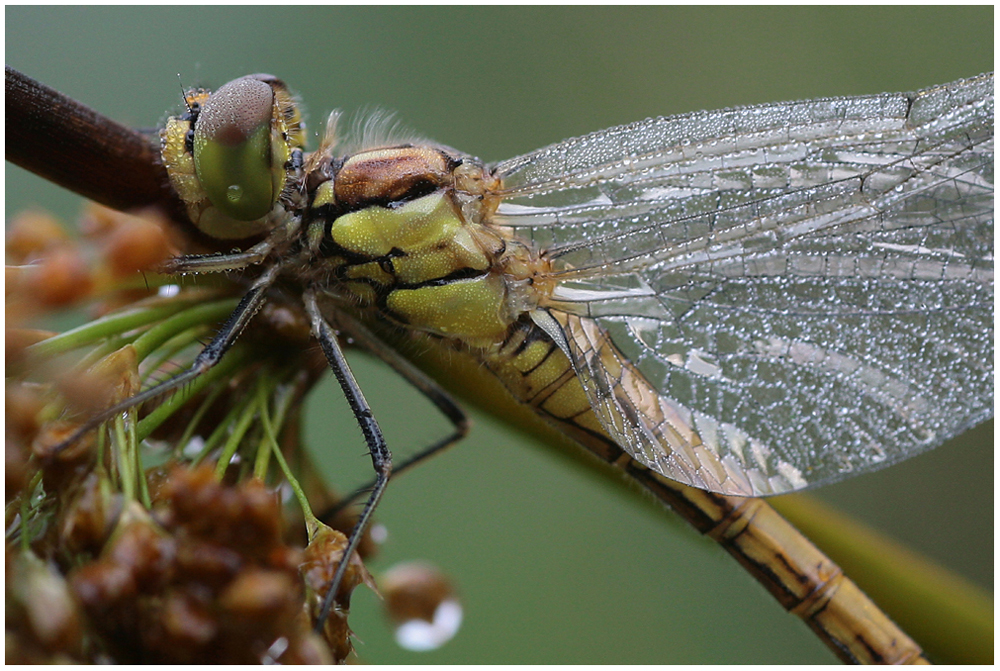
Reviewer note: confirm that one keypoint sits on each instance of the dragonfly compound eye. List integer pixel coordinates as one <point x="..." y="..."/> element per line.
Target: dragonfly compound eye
<point x="230" y="157"/>
<point x="232" y="150"/>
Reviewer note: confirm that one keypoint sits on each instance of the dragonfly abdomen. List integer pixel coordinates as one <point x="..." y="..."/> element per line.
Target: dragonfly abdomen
<point x="539" y="374"/>
<point x="806" y="582"/>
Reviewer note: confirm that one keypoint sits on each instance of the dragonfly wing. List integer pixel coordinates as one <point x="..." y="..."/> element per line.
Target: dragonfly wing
<point x="658" y="430"/>
<point x="789" y="293"/>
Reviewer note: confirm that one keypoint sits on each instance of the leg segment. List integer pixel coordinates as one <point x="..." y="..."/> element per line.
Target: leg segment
<point x="381" y="458"/>
<point x="422" y="383"/>
<point x="218" y="263"/>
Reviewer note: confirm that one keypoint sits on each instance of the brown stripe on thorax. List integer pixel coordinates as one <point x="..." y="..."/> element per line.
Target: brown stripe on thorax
<point x="383" y="176"/>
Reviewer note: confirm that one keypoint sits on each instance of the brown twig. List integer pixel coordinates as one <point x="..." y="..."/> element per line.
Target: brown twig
<point x="70" y="144"/>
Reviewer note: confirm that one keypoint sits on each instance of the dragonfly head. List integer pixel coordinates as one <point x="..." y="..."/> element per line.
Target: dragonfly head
<point x="230" y="156"/>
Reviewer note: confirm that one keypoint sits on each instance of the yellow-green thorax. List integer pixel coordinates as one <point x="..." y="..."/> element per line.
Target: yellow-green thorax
<point x="424" y="266"/>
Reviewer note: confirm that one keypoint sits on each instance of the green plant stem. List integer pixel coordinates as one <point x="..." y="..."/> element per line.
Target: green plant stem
<point x="105" y="327"/>
<point x="124" y="460"/>
<point x="235" y="438"/>
<point x="220" y="431"/>
<point x="171" y="348"/>
<point x="312" y="523"/>
<point x="267" y="442"/>
<point x="199" y="315"/>
<point x="223" y="369"/>
<point x="196" y="418"/>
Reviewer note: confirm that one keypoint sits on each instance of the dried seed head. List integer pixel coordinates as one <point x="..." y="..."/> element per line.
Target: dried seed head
<point x="15" y="468"/>
<point x="260" y="595"/>
<point x="61" y="278"/>
<point x="137" y="244"/>
<point x="86" y="523"/>
<point x="246" y="518"/>
<point x="17" y="340"/>
<point x="204" y="579"/>
<point x="62" y="467"/>
<point x="31" y="233"/>
<point x="112" y="379"/>
<point x="23" y="406"/>
<point x="322" y="557"/>
<point x="43" y="623"/>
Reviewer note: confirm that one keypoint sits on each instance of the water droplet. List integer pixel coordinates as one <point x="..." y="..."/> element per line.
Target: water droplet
<point x="420" y="635"/>
<point x="420" y="601"/>
<point x="379" y="533"/>
<point x="234" y="193"/>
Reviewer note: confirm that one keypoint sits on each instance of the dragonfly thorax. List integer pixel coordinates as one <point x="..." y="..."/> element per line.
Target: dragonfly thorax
<point x="398" y="229"/>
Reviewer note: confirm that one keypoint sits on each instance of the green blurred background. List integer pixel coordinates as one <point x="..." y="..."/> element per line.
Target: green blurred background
<point x="554" y="564"/>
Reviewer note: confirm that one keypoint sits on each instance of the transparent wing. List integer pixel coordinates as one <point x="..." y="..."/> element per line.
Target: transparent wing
<point x="773" y="297"/>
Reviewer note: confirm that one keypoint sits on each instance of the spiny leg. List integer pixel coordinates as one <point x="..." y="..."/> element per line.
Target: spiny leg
<point x="422" y="383"/>
<point x="213" y="352"/>
<point x="381" y="457"/>
<point x="218" y="263"/>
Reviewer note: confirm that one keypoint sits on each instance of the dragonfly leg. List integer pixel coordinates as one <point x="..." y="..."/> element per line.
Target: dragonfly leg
<point x="213" y="352"/>
<point x="420" y="381"/>
<point x="218" y="263"/>
<point x="381" y="457"/>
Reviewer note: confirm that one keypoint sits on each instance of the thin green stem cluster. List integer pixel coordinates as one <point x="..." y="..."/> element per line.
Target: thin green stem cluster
<point x="166" y="333"/>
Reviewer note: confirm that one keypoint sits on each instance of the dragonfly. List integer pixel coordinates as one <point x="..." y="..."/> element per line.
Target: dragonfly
<point x="724" y="305"/>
